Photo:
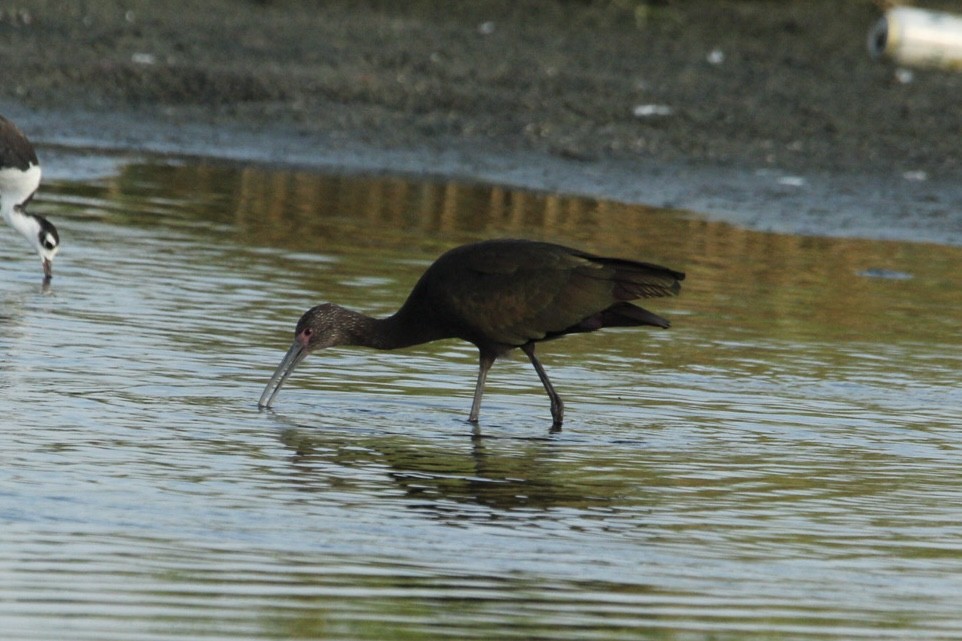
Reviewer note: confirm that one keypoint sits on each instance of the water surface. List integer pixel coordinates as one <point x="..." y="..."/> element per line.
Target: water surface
<point x="782" y="463"/>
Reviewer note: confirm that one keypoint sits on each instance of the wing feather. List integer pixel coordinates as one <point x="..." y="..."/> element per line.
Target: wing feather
<point x="512" y="292"/>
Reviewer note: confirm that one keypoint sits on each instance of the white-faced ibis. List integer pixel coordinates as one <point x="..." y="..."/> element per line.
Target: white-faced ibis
<point x="499" y="295"/>
<point x="19" y="179"/>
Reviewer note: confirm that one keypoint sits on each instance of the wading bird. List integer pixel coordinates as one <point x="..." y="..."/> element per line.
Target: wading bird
<point x="19" y="179"/>
<point x="499" y="295"/>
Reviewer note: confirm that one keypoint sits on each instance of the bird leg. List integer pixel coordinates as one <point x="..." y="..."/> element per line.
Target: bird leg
<point x="486" y="361"/>
<point x="557" y="406"/>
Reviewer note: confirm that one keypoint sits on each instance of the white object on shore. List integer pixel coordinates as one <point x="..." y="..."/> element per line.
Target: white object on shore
<point x="791" y="181"/>
<point x="650" y="111"/>
<point x="918" y="37"/>
<point x="917" y="176"/>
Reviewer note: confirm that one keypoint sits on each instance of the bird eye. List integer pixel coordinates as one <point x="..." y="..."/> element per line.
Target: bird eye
<point x="48" y="241"/>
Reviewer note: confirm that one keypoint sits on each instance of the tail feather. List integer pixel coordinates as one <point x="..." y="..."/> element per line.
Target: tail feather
<point x="634" y="279"/>
<point x="628" y="315"/>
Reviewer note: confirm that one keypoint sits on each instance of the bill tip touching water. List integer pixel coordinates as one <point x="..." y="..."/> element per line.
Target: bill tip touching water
<point x="499" y="295"/>
<point x="19" y="180"/>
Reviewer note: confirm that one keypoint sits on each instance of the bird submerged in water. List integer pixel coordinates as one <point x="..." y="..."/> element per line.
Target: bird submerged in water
<point x="19" y="180"/>
<point x="499" y="295"/>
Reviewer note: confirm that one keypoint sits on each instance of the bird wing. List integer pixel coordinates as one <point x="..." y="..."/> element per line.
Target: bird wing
<point x="515" y="292"/>
<point x="15" y="149"/>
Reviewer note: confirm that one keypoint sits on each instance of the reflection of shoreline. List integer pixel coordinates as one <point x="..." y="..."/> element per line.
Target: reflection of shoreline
<point x="869" y="205"/>
<point x="363" y="218"/>
<point x="866" y="206"/>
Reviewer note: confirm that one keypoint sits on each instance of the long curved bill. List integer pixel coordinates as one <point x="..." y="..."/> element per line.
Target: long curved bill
<point x="294" y="355"/>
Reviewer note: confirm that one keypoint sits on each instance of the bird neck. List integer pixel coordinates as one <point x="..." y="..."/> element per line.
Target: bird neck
<point x="26" y="224"/>
<point x="16" y="187"/>
<point x="394" y="332"/>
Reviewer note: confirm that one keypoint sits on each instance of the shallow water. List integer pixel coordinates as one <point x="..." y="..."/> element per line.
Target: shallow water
<point x="782" y="463"/>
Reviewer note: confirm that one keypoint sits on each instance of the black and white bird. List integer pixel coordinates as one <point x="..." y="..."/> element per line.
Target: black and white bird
<point x="19" y="179"/>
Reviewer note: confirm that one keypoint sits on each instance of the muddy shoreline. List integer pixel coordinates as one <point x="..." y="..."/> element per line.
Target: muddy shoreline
<point x="767" y="114"/>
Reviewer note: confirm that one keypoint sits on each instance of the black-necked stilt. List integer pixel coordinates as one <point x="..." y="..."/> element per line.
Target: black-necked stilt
<point x="19" y="179"/>
<point x="499" y="295"/>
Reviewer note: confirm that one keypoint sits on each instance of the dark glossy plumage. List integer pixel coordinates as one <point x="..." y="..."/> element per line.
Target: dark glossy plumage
<point x="15" y="150"/>
<point x="499" y="295"/>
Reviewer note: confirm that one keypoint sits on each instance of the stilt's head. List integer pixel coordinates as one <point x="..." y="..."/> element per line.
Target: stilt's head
<point x="19" y="179"/>
<point x="39" y="232"/>
<point x="49" y="244"/>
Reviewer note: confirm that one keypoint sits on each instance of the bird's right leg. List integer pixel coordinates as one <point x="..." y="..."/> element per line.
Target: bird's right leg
<point x="486" y="361"/>
<point x="557" y="405"/>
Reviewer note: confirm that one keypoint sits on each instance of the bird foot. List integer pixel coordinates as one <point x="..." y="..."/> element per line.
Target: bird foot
<point x="557" y="413"/>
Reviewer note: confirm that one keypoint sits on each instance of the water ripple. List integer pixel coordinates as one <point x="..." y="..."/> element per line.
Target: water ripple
<point x="782" y="463"/>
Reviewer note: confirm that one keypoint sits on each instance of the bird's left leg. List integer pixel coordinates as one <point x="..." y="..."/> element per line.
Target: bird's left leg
<point x="557" y="406"/>
<point x="486" y="361"/>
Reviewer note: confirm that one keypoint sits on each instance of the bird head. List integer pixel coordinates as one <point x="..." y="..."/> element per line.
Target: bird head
<point x="322" y="326"/>
<point x="39" y="232"/>
<point x="47" y="244"/>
